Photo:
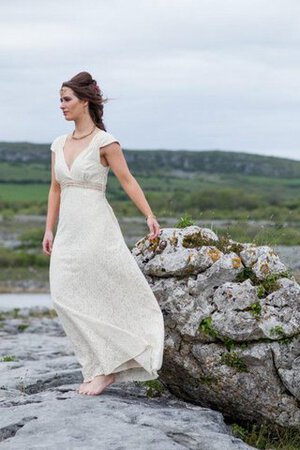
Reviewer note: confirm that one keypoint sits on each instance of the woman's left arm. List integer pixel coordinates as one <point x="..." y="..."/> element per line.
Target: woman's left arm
<point x="114" y="156"/>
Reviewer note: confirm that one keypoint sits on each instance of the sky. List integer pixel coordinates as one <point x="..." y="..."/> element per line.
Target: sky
<point x="179" y="74"/>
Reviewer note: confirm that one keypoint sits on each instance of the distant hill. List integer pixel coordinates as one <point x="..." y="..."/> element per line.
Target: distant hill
<point x="168" y="161"/>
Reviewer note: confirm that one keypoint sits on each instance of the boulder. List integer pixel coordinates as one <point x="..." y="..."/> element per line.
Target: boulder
<point x="232" y="318"/>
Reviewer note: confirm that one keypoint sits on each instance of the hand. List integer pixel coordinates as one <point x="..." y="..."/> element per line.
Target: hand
<point x="154" y="227"/>
<point x="47" y="242"/>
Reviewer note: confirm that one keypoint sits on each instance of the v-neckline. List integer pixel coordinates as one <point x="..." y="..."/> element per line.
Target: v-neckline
<point x="82" y="151"/>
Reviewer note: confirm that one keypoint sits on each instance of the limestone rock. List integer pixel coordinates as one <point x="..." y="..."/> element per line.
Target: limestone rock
<point x="262" y="260"/>
<point x="40" y="408"/>
<point x="232" y="317"/>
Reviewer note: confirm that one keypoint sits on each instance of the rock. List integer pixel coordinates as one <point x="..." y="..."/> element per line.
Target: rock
<point x="172" y="257"/>
<point x="262" y="261"/>
<point x="232" y="318"/>
<point x="281" y="310"/>
<point x="41" y="409"/>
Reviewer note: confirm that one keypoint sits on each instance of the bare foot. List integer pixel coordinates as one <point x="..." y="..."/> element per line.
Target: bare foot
<point x="98" y="384"/>
<point x="83" y="387"/>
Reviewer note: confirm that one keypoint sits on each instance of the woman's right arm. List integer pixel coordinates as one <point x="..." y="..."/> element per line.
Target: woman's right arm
<point x="53" y="209"/>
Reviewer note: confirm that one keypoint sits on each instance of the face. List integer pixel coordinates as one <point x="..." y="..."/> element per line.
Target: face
<point x="71" y="106"/>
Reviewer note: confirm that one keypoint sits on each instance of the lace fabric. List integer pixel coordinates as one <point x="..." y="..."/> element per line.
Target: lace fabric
<point x="101" y="296"/>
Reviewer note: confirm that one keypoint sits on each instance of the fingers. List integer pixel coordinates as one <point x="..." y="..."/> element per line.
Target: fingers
<point x="46" y="252"/>
<point x="47" y="247"/>
<point x="155" y="230"/>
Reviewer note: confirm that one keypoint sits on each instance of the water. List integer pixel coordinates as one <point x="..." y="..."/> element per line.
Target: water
<point x="19" y="300"/>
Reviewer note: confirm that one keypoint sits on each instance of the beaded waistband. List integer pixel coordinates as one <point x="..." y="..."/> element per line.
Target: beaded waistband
<point x="83" y="184"/>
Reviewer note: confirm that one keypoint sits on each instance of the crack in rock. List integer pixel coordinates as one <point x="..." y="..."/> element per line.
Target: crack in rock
<point x="11" y="430"/>
<point x="50" y="382"/>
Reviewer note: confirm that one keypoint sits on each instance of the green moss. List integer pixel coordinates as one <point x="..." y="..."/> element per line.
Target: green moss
<point x="22" y="326"/>
<point x="15" y="313"/>
<point x="277" y="331"/>
<point x="8" y="358"/>
<point x="207" y="328"/>
<point x="207" y="381"/>
<point x="245" y="274"/>
<point x="270" y="283"/>
<point x="261" y="291"/>
<point x="195" y="240"/>
<point x="154" y="388"/>
<point x="266" y="286"/>
<point x="244" y="345"/>
<point x="223" y="244"/>
<point x="255" y="310"/>
<point x="232" y="359"/>
<point x="229" y="343"/>
<point x="286" y="340"/>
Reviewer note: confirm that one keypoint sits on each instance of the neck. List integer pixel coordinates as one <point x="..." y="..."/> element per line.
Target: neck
<point x="83" y="125"/>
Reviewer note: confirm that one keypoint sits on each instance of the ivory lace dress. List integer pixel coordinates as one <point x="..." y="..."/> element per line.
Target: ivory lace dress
<point x="101" y="296"/>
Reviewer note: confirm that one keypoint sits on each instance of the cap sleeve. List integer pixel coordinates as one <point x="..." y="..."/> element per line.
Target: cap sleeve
<point x="107" y="138"/>
<point x="54" y="144"/>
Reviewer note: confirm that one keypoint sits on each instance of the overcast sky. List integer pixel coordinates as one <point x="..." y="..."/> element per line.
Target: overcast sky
<point x="181" y="74"/>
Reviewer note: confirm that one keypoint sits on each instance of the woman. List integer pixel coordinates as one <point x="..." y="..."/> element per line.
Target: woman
<point x="101" y="296"/>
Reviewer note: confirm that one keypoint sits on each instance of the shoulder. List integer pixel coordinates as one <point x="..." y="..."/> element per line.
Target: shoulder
<point x="56" y="142"/>
<point x="106" y="138"/>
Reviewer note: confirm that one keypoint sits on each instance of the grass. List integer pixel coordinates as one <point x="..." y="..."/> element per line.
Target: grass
<point x="17" y="258"/>
<point x="265" y="437"/>
<point x="184" y="221"/>
<point x="203" y="195"/>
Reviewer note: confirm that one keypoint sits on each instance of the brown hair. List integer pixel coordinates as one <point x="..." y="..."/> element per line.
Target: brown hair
<point x="86" y="88"/>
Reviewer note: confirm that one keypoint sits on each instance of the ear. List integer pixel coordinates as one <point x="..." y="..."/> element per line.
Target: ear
<point x="85" y="103"/>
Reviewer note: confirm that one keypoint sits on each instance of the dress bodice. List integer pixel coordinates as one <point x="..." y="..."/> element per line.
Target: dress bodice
<point x="87" y="165"/>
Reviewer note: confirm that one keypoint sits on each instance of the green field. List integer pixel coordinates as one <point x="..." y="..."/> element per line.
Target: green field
<point x="206" y="185"/>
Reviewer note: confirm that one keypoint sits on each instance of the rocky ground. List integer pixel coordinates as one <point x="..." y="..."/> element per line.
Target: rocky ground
<point x="40" y="408"/>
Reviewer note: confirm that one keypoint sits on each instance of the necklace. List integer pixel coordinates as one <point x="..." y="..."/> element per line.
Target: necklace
<point x="81" y="137"/>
